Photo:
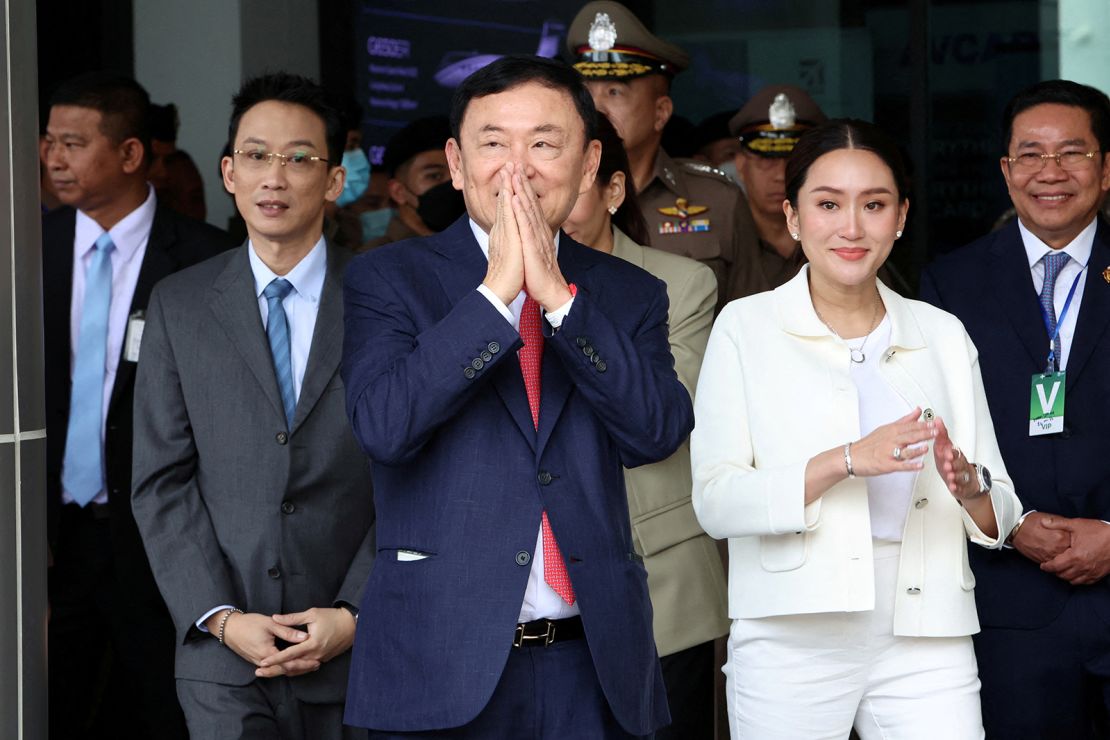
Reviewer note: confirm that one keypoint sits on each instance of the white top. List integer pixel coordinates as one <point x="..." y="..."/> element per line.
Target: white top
<point x="1080" y="252"/>
<point x="888" y="496"/>
<point x="540" y="600"/>
<point x="301" y="304"/>
<point x="130" y="236"/>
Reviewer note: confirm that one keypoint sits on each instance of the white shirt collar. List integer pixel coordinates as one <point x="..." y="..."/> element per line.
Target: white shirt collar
<point x="307" y="277"/>
<point x="483" y="239"/>
<point x="1079" y="249"/>
<point x="129" y="234"/>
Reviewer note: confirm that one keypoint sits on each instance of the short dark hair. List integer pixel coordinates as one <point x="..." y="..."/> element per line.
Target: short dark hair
<point x="614" y="159"/>
<point x="124" y="105"/>
<point x="843" y="133"/>
<point x="519" y="69"/>
<point x="296" y="90"/>
<point x="1061" y="92"/>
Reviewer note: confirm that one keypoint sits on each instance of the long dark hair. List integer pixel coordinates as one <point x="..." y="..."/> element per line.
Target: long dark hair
<point x="614" y="159"/>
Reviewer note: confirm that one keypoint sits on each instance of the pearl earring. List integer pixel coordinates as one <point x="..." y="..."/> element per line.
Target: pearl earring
<point x="612" y="210"/>
<point x="898" y="234"/>
<point x="794" y="235"/>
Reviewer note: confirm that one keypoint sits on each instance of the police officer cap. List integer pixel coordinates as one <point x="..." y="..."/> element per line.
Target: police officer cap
<point x="772" y="121"/>
<point x="421" y="135"/>
<point x="607" y="42"/>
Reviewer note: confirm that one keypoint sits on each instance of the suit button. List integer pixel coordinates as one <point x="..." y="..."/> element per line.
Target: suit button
<point x="113" y="427"/>
<point x="601" y="366"/>
<point x="274" y="573"/>
<point x="595" y="357"/>
<point x="544" y="478"/>
<point x="921" y="503"/>
<point x="281" y="438"/>
<point x="486" y="356"/>
<point x="493" y="347"/>
<point x="913" y="590"/>
<point x="928" y="414"/>
<point x="588" y="350"/>
<point x="580" y="341"/>
<point x="477" y="363"/>
<point x="114" y="492"/>
<point x="523" y="557"/>
<point x="469" y="373"/>
<point x="287" y="507"/>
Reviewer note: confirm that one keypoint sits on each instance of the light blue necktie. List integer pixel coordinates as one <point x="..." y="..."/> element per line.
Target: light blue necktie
<point x="277" y="329"/>
<point x="83" y="465"/>
<point x="1053" y="263"/>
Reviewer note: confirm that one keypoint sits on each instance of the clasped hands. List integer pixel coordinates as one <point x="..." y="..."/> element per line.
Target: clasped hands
<point x="1074" y="549"/>
<point x="330" y="632"/>
<point x="522" y="245"/>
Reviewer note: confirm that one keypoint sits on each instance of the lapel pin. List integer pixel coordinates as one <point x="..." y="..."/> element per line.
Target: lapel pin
<point x="1106" y="274"/>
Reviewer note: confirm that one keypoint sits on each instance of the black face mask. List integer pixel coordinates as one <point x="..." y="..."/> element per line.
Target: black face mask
<point x="441" y="206"/>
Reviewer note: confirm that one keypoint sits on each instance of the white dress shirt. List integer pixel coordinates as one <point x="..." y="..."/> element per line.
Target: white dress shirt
<point x="130" y="237"/>
<point x="540" y="600"/>
<point x="301" y="305"/>
<point x="1080" y="252"/>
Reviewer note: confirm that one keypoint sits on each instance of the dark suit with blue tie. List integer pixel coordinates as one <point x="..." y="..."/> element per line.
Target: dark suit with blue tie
<point x="1045" y="643"/>
<point x="437" y="400"/>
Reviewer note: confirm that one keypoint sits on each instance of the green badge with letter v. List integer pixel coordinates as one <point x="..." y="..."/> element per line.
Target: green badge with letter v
<point x="1046" y="404"/>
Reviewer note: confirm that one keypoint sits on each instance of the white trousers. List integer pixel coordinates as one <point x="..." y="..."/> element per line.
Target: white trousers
<point x="815" y="676"/>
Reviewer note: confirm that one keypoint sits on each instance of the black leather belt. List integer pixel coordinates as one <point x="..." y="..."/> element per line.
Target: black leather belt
<point x="543" y="632"/>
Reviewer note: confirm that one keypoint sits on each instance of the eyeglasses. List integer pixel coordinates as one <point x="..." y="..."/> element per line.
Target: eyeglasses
<point x="1035" y="162"/>
<point x="257" y="160"/>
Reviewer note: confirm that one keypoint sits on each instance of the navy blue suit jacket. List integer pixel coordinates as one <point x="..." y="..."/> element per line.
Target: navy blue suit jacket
<point x="988" y="285"/>
<point x="436" y="397"/>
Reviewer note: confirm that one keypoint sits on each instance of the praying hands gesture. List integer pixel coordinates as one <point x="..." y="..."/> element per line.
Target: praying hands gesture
<point x="522" y="245"/>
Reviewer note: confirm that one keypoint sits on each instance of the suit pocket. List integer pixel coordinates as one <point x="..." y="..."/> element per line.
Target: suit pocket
<point x="664" y="529"/>
<point x="782" y="552"/>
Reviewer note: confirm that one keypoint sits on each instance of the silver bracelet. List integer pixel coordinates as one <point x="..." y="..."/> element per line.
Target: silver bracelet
<point x="848" y="460"/>
<point x="223" y="622"/>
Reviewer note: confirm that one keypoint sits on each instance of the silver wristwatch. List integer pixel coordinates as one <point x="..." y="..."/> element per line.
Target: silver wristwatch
<point x="984" y="477"/>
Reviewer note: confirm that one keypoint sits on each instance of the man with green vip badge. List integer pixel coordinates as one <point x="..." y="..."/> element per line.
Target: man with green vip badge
<point x="1035" y="298"/>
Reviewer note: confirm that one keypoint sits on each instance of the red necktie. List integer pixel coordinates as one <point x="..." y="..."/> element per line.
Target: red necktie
<point x="531" y="360"/>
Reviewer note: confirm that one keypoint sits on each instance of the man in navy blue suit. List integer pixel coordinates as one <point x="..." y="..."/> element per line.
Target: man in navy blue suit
<point x="1035" y="298"/>
<point x="499" y="375"/>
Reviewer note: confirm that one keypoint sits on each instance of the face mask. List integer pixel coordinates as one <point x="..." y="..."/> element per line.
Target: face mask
<point x="729" y="168"/>
<point x="358" y="176"/>
<point x="441" y="206"/>
<point x="374" y="223"/>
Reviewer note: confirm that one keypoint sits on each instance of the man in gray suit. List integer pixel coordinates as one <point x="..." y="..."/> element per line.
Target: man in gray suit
<point x="251" y="494"/>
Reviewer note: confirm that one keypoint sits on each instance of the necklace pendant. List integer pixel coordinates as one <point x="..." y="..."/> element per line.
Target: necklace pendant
<point x="857" y="355"/>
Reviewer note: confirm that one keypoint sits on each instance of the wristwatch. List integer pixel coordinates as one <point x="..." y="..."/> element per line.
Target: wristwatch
<point x="984" y="477"/>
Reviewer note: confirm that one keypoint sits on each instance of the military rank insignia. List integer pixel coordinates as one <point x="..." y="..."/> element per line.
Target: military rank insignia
<point x="683" y="211"/>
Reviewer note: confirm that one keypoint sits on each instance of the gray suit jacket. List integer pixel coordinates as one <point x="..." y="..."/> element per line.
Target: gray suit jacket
<point x="232" y="508"/>
<point x="685" y="577"/>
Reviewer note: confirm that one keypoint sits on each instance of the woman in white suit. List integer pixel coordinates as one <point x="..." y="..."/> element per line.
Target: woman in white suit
<point x="844" y="447"/>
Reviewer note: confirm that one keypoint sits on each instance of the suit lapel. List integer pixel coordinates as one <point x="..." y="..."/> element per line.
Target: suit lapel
<point x="327" y="341"/>
<point x="462" y="271"/>
<point x="1014" y="293"/>
<point x="557" y="384"/>
<point x="158" y="262"/>
<point x="1094" y="312"/>
<point x="234" y="303"/>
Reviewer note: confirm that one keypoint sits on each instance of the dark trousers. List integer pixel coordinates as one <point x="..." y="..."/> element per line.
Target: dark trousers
<point x="689" y="676"/>
<point x="264" y="709"/>
<point x="1051" y="683"/>
<point x="111" y="653"/>
<point x="545" y="693"/>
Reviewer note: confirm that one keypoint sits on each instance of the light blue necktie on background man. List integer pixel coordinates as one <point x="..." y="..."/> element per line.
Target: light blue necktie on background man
<point x="83" y="465"/>
<point x="277" y="330"/>
<point x="1053" y="263"/>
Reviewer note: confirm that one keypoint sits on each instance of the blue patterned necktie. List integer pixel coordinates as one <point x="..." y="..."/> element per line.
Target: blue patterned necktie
<point x="277" y="329"/>
<point x="83" y="464"/>
<point x="1053" y="263"/>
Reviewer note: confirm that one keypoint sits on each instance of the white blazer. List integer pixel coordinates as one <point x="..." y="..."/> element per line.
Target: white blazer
<point x="774" y="391"/>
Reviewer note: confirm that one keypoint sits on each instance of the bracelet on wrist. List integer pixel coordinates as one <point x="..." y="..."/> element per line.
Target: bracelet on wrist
<point x="223" y="622"/>
<point x="848" y="460"/>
